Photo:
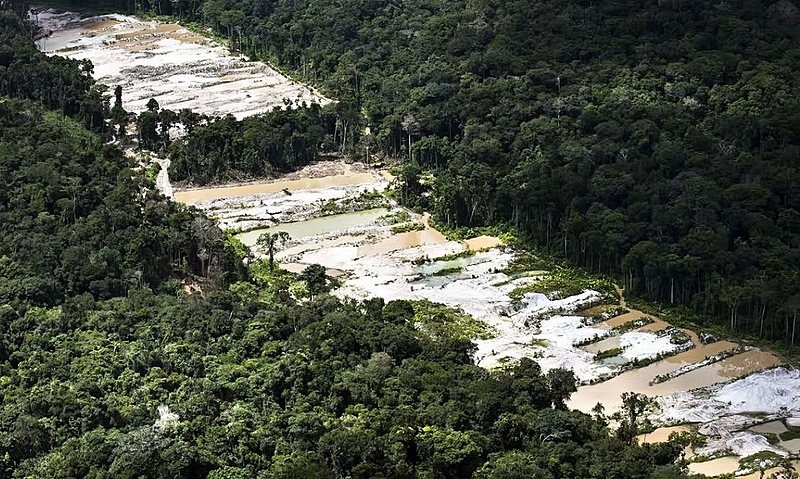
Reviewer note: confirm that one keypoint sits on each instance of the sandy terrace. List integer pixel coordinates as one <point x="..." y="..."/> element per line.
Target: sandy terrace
<point x="179" y="68"/>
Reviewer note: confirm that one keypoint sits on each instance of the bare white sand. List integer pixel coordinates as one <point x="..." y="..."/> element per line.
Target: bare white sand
<point x="177" y="68"/>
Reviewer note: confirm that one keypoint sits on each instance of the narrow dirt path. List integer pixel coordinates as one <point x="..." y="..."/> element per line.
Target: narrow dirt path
<point x="621" y="294"/>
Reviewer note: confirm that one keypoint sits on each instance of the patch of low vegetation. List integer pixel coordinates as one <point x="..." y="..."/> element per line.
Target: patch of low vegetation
<point x="632" y="325"/>
<point x="700" y="458"/>
<point x="440" y="320"/>
<point x="564" y="282"/>
<point x="760" y="461"/>
<point x="507" y="234"/>
<point x="771" y="437"/>
<point x="792" y="433"/>
<point x="676" y="335"/>
<point x="525" y="261"/>
<point x="407" y="227"/>
<point x="454" y="256"/>
<point x="366" y="200"/>
<point x="151" y="173"/>
<point x="612" y="312"/>
<point x="448" y="257"/>
<point x="539" y="342"/>
<point x="396" y="217"/>
<point x="448" y="271"/>
<point x="596" y="338"/>
<point x="608" y="353"/>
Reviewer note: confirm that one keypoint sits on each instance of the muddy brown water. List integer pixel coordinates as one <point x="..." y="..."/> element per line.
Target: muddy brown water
<point x="400" y="241"/>
<point x="625" y="318"/>
<point x="298" y="268"/>
<point x="206" y="194"/>
<point x="774" y="427"/>
<point x="482" y="242"/>
<point x="715" y="467"/>
<point x="638" y="380"/>
<point x="661" y="434"/>
<point x="792" y="445"/>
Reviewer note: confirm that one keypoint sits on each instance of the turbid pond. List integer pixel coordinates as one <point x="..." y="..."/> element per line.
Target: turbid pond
<point x="317" y="226"/>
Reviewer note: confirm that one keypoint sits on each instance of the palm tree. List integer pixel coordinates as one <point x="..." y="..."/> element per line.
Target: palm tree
<point x="269" y="242"/>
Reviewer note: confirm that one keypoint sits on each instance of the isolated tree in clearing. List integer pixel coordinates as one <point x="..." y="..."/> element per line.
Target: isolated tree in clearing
<point x="269" y="242"/>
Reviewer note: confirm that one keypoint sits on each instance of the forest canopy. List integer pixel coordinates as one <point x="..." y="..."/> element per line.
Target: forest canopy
<point x="657" y="142"/>
<point x="109" y="369"/>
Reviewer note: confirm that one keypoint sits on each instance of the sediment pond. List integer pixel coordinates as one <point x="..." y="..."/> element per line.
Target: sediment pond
<point x="317" y="226"/>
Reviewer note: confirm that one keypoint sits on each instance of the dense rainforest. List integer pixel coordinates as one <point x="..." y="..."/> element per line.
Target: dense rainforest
<point x="656" y="141"/>
<point x="108" y="368"/>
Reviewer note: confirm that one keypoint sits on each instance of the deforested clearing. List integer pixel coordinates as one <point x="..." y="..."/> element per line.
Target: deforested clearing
<point x="178" y="68"/>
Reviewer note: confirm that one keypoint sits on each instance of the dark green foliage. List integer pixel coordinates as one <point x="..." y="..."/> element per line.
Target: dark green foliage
<point x="264" y="386"/>
<point x="316" y="279"/>
<point x="75" y="219"/>
<point x="608" y="353"/>
<point x="259" y="390"/>
<point x="230" y="149"/>
<point x="58" y="83"/>
<point x="261" y="385"/>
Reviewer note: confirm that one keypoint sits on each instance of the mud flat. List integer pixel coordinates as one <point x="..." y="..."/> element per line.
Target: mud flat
<point x="266" y="187"/>
<point x="661" y="434"/>
<point x="164" y="61"/>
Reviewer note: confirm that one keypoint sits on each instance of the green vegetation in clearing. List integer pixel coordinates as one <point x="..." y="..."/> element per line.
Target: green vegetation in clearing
<point x="612" y="312"/>
<point x="760" y="461"/>
<point x="396" y="217"/>
<point x="448" y="257"/>
<point x="407" y="227"/>
<point x="564" y="282"/>
<point x="507" y="234"/>
<point x="525" y="261"/>
<point x="608" y="353"/>
<point x="366" y="200"/>
<point x="151" y="173"/>
<point x="634" y="324"/>
<point x="792" y="433"/>
<point x="437" y="319"/>
<point x="448" y="271"/>
<point x="771" y="437"/>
